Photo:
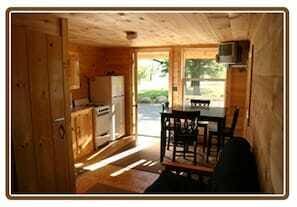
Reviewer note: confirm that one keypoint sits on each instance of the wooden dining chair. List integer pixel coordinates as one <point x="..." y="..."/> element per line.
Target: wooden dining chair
<point x="227" y="132"/>
<point x="185" y="133"/>
<point x="202" y="103"/>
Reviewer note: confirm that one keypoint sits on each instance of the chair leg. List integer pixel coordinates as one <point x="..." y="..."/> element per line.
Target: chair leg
<point x="220" y="145"/>
<point x="168" y="142"/>
<point x="195" y="153"/>
<point x="185" y="150"/>
<point x="205" y="138"/>
<point x="208" y="147"/>
<point x="174" y="151"/>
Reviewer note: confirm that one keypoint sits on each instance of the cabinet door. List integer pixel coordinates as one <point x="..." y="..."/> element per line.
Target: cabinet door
<point x="85" y="139"/>
<point x="74" y="78"/>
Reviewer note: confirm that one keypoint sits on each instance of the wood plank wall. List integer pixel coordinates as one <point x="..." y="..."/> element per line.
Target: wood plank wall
<point x="91" y="62"/>
<point x="235" y="96"/>
<point x="175" y="76"/>
<point x="266" y="117"/>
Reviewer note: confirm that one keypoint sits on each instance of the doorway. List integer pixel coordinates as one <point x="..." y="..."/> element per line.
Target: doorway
<point x="152" y="91"/>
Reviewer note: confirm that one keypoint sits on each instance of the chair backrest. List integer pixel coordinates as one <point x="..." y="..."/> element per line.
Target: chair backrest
<point x="185" y="124"/>
<point x="235" y="118"/>
<point x="165" y="106"/>
<point x="200" y="103"/>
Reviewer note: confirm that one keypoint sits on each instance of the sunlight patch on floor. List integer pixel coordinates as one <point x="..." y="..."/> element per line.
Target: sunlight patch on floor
<point x="129" y="167"/>
<point x="102" y="163"/>
<point x="147" y="163"/>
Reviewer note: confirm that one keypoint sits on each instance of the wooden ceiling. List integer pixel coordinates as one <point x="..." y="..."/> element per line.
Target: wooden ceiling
<point x="156" y="29"/>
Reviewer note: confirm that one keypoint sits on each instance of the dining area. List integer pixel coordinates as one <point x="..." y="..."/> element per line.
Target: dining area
<point x="184" y="129"/>
<point x="201" y="153"/>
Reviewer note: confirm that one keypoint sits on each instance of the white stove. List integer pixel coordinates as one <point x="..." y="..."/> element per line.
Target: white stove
<point x="99" y="109"/>
<point x="102" y="124"/>
<point x="102" y="120"/>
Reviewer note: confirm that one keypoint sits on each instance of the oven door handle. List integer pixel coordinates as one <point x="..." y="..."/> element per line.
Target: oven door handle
<point x="103" y="113"/>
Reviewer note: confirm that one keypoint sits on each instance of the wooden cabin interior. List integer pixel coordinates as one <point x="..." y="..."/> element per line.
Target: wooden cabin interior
<point x="57" y="64"/>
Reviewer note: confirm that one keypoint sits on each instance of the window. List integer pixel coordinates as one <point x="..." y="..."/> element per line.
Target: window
<point x="204" y="79"/>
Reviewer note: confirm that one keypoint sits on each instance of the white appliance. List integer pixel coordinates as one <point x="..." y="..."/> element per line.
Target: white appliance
<point x="102" y="120"/>
<point x="102" y="124"/>
<point x="109" y="90"/>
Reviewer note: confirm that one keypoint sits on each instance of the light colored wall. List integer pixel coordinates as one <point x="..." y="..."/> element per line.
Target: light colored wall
<point x="266" y="117"/>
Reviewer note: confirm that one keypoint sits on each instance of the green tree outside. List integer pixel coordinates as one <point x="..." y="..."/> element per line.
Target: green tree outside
<point x="197" y="69"/>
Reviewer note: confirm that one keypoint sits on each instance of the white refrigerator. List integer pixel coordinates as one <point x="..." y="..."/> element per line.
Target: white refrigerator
<point x="109" y="90"/>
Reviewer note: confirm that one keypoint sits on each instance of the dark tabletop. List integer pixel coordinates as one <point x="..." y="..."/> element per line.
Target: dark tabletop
<point x="208" y="113"/>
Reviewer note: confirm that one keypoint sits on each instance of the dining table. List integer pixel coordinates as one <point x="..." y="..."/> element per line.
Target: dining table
<point x="210" y="114"/>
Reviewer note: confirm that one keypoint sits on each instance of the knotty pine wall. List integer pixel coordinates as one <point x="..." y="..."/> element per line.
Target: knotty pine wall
<point x="235" y="96"/>
<point x="265" y="128"/>
<point x="91" y="62"/>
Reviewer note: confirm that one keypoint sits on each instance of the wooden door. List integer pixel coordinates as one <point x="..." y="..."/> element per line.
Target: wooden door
<point x="21" y="118"/>
<point x="41" y="139"/>
<point x="74" y="133"/>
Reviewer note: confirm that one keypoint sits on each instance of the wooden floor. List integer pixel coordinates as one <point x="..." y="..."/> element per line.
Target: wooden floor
<point x="126" y="172"/>
<point x="115" y="179"/>
<point x="130" y="171"/>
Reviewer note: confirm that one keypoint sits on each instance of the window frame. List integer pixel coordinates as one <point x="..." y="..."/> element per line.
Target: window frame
<point x="184" y="79"/>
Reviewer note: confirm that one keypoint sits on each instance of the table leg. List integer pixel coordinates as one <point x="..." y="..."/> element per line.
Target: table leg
<point x="162" y="140"/>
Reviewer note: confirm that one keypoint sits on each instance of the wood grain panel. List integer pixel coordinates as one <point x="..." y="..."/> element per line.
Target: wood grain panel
<point x="175" y="67"/>
<point x="74" y="76"/>
<point x="22" y="136"/>
<point x="236" y="96"/>
<point x="266" y="117"/>
<point x="82" y="133"/>
<point x="41" y="122"/>
<point x="40" y="109"/>
<point x="91" y="62"/>
<point x="56" y="76"/>
<point x="67" y="104"/>
<point x="57" y="98"/>
<point x="107" y="29"/>
<point x="133" y="181"/>
<point x="44" y="23"/>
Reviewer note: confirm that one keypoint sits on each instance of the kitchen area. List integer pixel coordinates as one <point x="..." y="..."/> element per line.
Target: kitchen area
<point x="97" y="112"/>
